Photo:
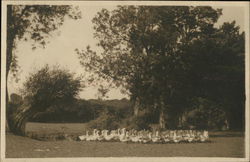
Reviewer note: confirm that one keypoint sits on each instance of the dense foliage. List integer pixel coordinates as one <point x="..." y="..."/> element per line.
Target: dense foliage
<point x="166" y="56"/>
<point x="85" y="111"/>
<point x="51" y="87"/>
<point x="47" y="89"/>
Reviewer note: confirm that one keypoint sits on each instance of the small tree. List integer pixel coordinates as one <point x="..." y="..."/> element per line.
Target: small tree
<point x="44" y="90"/>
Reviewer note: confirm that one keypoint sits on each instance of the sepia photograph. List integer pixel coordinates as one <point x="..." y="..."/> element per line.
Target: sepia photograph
<point x="124" y="80"/>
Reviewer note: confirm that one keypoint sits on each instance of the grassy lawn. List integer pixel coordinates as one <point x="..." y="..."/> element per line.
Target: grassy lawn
<point x="53" y="128"/>
<point x="230" y="145"/>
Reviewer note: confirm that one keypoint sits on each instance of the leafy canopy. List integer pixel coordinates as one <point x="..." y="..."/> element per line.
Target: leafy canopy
<point x="164" y="57"/>
<point x="142" y="46"/>
<point x="49" y="88"/>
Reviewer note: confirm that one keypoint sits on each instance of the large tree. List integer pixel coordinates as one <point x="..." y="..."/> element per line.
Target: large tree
<point x="47" y="89"/>
<point x="147" y="50"/>
<point x="217" y="72"/>
<point x="33" y="23"/>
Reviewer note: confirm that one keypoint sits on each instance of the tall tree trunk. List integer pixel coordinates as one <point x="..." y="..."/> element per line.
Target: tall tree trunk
<point x="11" y="34"/>
<point x="182" y="119"/>
<point x="6" y="110"/>
<point x="162" y="120"/>
<point x="136" y="107"/>
<point x="19" y="118"/>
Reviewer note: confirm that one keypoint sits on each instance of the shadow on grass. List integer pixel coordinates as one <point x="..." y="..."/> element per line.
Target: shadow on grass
<point x="227" y="134"/>
<point x="52" y="137"/>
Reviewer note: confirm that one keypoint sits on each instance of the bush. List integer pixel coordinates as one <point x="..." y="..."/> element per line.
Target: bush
<point x="106" y="120"/>
<point x="206" y="115"/>
<point x="85" y="110"/>
<point x="137" y="122"/>
<point x="16" y="99"/>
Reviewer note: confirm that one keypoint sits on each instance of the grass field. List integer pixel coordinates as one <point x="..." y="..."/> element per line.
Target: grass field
<point x="229" y="144"/>
<point x="55" y="127"/>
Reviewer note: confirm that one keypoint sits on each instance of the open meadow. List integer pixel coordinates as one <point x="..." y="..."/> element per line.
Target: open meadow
<point x="223" y="144"/>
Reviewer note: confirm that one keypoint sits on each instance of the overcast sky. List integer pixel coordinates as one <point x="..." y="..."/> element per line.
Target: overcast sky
<point x="78" y="34"/>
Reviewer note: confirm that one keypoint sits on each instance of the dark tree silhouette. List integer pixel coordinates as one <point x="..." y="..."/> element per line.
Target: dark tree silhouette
<point x="164" y="56"/>
<point x="32" y="23"/>
<point x="45" y="90"/>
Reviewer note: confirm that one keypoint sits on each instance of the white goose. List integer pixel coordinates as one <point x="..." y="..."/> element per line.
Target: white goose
<point x="176" y="138"/>
<point x="100" y="137"/>
<point x="166" y="137"/>
<point x="91" y="137"/>
<point x="134" y="138"/>
<point x="191" y="136"/>
<point x="124" y="137"/>
<point x="117" y="134"/>
<point x="147" y="138"/>
<point x="204" y="136"/>
<point x="108" y="137"/>
<point x="84" y="137"/>
<point x="156" y="138"/>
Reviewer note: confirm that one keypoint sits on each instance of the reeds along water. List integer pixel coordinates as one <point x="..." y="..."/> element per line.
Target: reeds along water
<point x="146" y="136"/>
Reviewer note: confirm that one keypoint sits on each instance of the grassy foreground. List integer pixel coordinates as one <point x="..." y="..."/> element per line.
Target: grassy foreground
<point x="227" y="144"/>
<point x="23" y="147"/>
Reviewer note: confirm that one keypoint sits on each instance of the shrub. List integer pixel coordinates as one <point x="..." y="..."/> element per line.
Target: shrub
<point x="106" y="120"/>
<point x="206" y="114"/>
<point x="137" y="122"/>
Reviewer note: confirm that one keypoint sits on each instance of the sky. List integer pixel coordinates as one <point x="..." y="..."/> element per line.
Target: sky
<point x="78" y="34"/>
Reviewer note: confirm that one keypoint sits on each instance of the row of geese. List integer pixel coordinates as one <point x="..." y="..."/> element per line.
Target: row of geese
<point x="145" y="136"/>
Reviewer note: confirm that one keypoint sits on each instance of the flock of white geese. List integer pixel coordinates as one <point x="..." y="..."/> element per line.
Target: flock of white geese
<point x="145" y="136"/>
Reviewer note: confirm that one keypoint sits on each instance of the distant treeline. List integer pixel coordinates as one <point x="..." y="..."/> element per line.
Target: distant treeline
<point x="85" y="111"/>
<point x="112" y="114"/>
<point x="80" y="111"/>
